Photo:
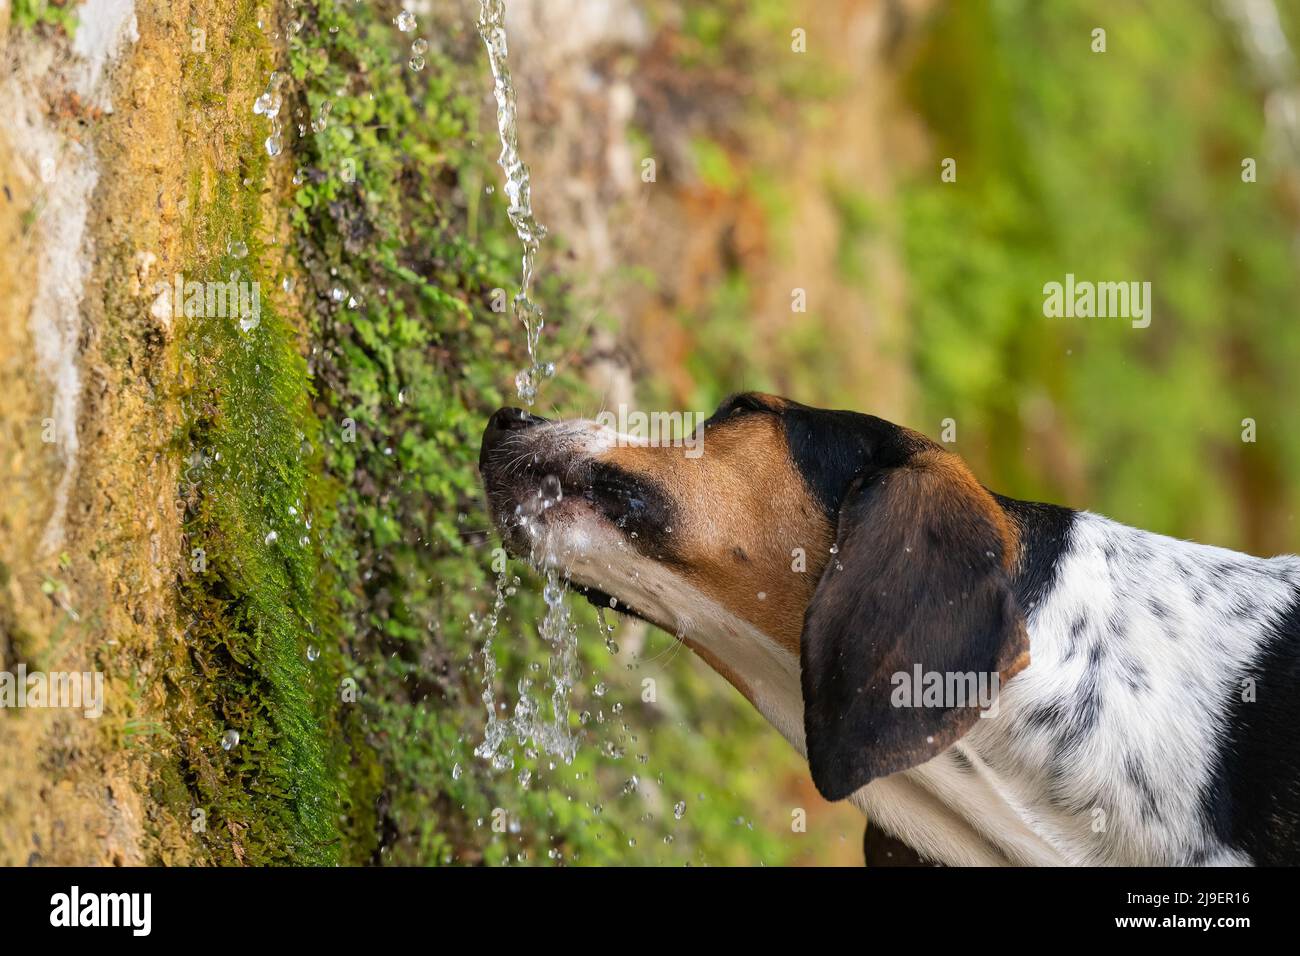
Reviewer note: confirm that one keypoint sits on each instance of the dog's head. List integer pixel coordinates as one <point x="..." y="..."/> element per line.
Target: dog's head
<point x="858" y="548"/>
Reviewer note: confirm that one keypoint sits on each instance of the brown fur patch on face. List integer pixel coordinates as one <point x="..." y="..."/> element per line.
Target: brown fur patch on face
<point x="746" y="519"/>
<point x="743" y="511"/>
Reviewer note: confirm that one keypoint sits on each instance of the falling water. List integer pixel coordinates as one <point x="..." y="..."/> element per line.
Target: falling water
<point x="540" y="721"/>
<point x="495" y="732"/>
<point x="528" y="723"/>
<point x="518" y="187"/>
<point x="559" y="630"/>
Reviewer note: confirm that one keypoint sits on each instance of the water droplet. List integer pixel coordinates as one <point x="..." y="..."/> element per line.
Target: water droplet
<point x="679" y="809"/>
<point x="230" y="740"/>
<point x="268" y="104"/>
<point x="322" y="117"/>
<point x="456" y="771"/>
<point x="526" y="386"/>
<point x="313" y="652"/>
<point x="237" y="248"/>
<point x="416" y="63"/>
<point x="419" y="45"/>
<point x="271" y="537"/>
<point x="405" y="21"/>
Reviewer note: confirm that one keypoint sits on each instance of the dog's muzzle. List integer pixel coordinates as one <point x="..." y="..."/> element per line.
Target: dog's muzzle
<point x="504" y="424"/>
<point x="507" y="461"/>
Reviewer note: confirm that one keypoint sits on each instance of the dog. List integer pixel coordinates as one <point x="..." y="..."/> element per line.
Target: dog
<point x="829" y="563"/>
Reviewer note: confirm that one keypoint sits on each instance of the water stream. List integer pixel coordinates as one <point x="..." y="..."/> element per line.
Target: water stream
<point x="527" y="723"/>
<point x="519" y="193"/>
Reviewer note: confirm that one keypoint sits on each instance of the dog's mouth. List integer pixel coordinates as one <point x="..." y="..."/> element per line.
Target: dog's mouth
<point x="556" y="505"/>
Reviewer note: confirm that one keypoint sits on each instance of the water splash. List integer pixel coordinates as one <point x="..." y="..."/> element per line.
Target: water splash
<point x="541" y="722"/>
<point x="496" y="731"/>
<point x="527" y="723"/>
<point x="518" y="187"/>
<point x="559" y="631"/>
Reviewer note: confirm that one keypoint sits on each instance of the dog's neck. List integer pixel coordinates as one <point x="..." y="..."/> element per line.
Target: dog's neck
<point x="917" y="806"/>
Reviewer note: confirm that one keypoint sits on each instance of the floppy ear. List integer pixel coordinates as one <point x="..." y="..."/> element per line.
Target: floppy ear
<point x="919" y="578"/>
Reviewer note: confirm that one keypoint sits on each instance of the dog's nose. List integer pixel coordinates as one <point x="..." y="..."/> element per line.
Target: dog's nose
<point x="512" y="419"/>
<point x="504" y="422"/>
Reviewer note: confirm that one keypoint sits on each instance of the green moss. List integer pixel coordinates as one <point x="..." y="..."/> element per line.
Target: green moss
<point x="392" y="213"/>
<point x="357" y="402"/>
<point x="251" y="593"/>
<point x="713" y="165"/>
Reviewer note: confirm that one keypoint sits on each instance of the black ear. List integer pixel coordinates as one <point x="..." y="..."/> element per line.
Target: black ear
<point x="919" y="579"/>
